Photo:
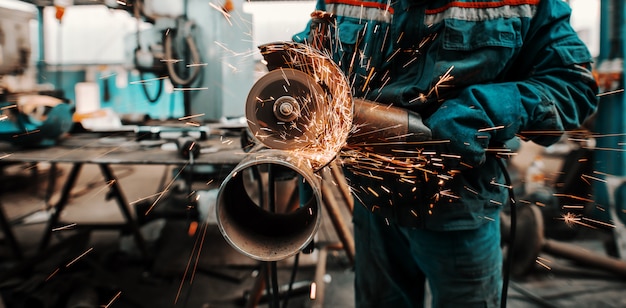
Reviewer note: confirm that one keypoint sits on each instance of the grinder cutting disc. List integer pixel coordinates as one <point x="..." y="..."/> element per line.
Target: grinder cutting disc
<point x="281" y="109"/>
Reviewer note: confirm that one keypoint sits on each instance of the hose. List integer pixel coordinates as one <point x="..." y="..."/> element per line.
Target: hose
<point x="509" y="258"/>
<point x="144" y="87"/>
<point x="169" y="55"/>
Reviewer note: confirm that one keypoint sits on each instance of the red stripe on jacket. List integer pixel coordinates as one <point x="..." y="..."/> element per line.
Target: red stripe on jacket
<point x="368" y="4"/>
<point x="482" y="5"/>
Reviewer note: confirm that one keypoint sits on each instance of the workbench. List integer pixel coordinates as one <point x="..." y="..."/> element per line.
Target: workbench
<point x="105" y="150"/>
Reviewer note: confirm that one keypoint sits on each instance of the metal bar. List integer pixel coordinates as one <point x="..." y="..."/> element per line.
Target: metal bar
<point x="342" y="185"/>
<point x="608" y="154"/>
<point x="272" y="270"/>
<point x="9" y="236"/>
<point x="52" y="180"/>
<point x="613" y="183"/>
<point x="583" y="256"/>
<point x="257" y="289"/>
<point x="317" y="295"/>
<point x="335" y="216"/>
<point x="605" y="30"/>
<point x="60" y="205"/>
<point x="122" y="203"/>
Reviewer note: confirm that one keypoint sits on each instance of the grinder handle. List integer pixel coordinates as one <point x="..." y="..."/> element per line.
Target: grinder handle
<point x="375" y="122"/>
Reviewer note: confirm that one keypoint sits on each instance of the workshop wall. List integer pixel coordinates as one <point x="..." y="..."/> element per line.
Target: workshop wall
<point x="278" y="20"/>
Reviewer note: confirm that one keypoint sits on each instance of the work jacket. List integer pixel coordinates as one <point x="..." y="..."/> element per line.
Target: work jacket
<point x="510" y="67"/>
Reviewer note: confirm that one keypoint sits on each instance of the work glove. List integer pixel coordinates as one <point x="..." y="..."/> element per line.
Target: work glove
<point x="459" y="125"/>
<point x="474" y="121"/>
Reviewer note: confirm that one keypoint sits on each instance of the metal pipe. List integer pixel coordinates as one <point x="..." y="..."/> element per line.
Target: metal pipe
<point x="257" y="232"/>
<point x="334" y="214"/>
<point x="531" y="223"/>
<point x="583" y="256"/>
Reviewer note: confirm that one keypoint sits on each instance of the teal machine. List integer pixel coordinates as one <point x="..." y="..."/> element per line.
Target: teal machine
<point x="610" y="127"/>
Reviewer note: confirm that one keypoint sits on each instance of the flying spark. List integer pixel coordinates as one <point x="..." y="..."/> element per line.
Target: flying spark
<point x="79" y="257"/>
<point x="584" y="176"/>
<point x="167" y="188"/>
<point x="52" y="274"/>
<point x="115" y="297"/>
<point x="66" y="227"/>
<point x="609" y="149"/>
<point x="326" y="115"/>
<point x="598" y="222"/>
<point x="107" y="76"/>
<point x="197" y="247"/>
<point x="313" y="291"/>
<point x="147" y="80"/>
<point x="570" y="219"/>
<point x="610" y="93"/>
<point x="26" y="133"/>
<point x="171" y="60"/>
<point x="223" y="12"/>
<point x="190" y="117"/>
<point x="493" y="182"/>
<point x="491" y="128"/>
<point x="542" y="261"/>
<point x="573" y="197"/>
<point x="191" y="89"/>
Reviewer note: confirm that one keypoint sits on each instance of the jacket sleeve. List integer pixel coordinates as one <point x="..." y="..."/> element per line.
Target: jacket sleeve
<point x="302" y="37"/>
<point x="557" y="93"/>
<point x="539" y="108"/>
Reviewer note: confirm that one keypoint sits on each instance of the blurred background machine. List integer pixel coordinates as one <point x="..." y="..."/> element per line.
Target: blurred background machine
<point x="29" y="116"/>
<point x="139" y="59"/>
<point x="191" y="42"/>
<point x="15" y="41"/>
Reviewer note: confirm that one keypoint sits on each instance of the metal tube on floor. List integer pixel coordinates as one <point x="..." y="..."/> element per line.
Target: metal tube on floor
<point x="335" y="216"/>
<point x="583" y="256"/>
<point x="317" y="287"/>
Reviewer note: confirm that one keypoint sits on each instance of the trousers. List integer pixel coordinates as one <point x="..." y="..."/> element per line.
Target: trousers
<point x="393" y="263"/>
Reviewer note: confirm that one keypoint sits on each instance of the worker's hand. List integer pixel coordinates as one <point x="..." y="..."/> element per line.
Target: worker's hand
<point x="465" y="128"/>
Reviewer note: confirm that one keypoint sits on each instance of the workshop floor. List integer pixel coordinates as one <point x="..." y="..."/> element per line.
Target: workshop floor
<point x="110" y="271"/>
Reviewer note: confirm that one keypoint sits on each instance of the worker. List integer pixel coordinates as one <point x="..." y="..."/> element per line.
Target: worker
<point x="480" y="73"/>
